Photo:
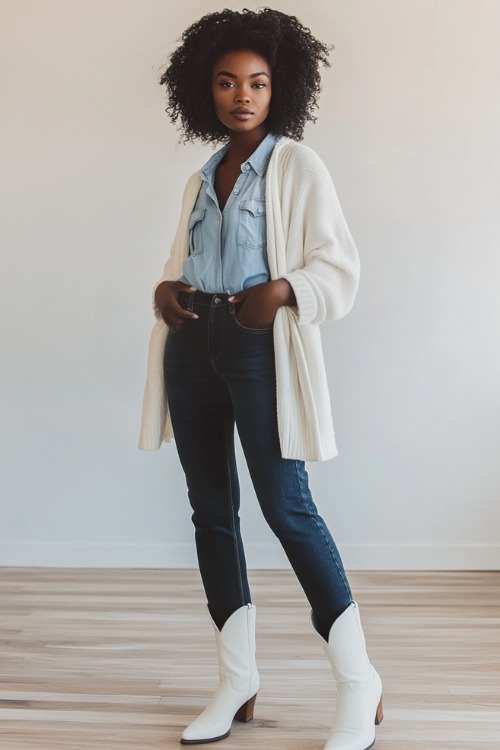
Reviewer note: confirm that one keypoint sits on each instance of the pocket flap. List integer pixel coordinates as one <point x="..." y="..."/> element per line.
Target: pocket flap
<point x="196" y="216"/>
<point x="254" y="206"/>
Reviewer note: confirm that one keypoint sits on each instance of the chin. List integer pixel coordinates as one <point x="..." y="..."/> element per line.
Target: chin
<point x="243" y="127"/>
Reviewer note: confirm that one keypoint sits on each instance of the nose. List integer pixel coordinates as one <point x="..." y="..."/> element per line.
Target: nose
<point x="242" y="95"/>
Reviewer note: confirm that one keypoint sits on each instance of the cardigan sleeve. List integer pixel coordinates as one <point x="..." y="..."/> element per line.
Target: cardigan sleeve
<point x="173" y="267"/>
<point x="326" y="280"/>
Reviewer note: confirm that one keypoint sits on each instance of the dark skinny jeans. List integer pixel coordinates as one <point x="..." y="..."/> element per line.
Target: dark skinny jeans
<point x="218" y="373"/>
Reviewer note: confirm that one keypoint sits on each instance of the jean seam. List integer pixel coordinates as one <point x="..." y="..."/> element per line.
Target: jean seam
<point x="231" y="511"/>
<point x="318" y="526"/>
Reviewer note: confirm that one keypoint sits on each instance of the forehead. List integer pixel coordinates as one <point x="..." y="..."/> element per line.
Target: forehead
<point x="241" y="63"/>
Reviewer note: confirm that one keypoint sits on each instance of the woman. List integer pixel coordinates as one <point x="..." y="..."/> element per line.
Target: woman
<point x="261" y="256"/>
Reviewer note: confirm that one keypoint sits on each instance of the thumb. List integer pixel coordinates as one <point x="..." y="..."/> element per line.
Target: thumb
<point x="186" y="287"/>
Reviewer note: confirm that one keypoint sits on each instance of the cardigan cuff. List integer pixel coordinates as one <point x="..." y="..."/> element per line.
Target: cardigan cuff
<point x="307" y="306"/>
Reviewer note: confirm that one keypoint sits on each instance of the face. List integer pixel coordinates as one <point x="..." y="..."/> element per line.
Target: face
<point x="241" y="90"/>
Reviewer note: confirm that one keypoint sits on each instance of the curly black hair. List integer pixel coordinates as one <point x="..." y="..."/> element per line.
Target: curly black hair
<point x="293" y="53"/>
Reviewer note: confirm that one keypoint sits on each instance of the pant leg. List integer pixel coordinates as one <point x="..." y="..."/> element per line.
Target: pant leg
<point x="203" y="424"/>
<point x="281" y="484"/>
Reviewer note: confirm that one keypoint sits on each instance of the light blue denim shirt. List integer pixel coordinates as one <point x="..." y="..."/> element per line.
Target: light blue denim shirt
<point x="227" y="251"/>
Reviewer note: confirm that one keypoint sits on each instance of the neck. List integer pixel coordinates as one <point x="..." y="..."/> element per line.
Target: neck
<point x="242" y="145"/>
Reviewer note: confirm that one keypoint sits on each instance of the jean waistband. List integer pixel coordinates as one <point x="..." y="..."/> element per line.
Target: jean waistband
<point x="205" y="298"/>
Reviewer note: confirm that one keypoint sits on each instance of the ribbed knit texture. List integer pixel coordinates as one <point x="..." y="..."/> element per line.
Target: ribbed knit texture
<point x="310" y="245"/>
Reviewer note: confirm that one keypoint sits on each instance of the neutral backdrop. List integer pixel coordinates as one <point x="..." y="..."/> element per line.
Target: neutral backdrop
<point x="92" y="176"/>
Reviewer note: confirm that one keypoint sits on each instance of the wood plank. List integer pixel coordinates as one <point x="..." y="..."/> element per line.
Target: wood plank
<point x="125" y="658"/>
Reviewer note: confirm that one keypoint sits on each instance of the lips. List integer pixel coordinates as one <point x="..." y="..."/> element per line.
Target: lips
<point x="242" y="111"/>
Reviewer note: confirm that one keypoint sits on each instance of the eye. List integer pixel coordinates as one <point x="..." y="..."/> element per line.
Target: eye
<point x="225" y="84"/>
<point x="259" y="85"/>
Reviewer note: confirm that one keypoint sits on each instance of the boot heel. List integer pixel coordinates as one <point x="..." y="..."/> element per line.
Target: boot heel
<point x="380" y="713"/>
<point x="245" y="712"/>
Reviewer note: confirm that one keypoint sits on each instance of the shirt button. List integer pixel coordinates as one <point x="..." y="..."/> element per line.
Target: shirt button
<point x="247" y="167"/>
<point x="228" y="291"/>
<point x="236" y="192"/>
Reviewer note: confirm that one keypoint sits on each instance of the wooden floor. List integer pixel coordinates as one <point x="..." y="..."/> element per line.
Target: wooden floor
<point x="98" y="659"/>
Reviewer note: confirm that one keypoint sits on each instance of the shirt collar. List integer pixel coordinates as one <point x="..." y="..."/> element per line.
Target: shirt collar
<point x="209" y="168"/>
<point x="260" y="157"/>
<point x="258" y="160"/>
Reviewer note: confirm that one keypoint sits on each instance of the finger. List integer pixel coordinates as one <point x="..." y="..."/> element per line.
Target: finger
<point x="187" y="314"/>
<point x="180" y="312"/>
<point x="176" y="313"/>
<point x="173" y="322"/>
<point x="186" y="287"/>
<point x="238" y="297"/>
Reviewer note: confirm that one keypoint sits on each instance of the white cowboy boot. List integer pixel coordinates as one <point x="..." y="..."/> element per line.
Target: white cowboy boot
<point x="359" y="698"/>
<point x="239" y="680"/>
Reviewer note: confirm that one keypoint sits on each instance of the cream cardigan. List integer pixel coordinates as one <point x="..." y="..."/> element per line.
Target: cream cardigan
<point x="309" y="244"/>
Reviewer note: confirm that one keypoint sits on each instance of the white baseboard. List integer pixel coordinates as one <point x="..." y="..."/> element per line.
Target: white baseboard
<point x="259" y="556"/>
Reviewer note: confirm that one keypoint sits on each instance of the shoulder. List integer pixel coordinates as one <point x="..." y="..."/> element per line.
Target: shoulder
<point x="193" y="182"/>
<point x="191" y="189"/>
<point x="298" y="160"/>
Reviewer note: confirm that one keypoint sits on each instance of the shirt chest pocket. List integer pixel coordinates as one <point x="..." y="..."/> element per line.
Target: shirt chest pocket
<point x="195" y="226"/>
<point x="252" y="224"/>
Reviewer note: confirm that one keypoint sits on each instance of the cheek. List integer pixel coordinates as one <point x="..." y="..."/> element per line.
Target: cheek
<point x="216" y="93"/>
<point x="268" y="101"/>
<point x="217" y="107"/>
<point x="219" y="98"/>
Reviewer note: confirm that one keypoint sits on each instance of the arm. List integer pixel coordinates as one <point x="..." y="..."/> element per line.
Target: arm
<point x="261" y="302"/>
<point x="173" y="267"/>
<point x="325" y="273"/>
<point x="318" y="264"/>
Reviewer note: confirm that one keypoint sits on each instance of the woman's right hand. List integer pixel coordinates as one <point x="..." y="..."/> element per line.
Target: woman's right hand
<point x="167" y="302"/>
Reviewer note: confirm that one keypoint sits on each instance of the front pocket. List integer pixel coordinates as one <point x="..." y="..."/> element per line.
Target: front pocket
<point x="233" y="311"/>
<point x="195" y="227"/>
<point x="186" y="301"/>
<point x="252" y="224"/>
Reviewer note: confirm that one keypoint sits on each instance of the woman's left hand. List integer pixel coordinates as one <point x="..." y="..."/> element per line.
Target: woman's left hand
<point x="260" y="303"/>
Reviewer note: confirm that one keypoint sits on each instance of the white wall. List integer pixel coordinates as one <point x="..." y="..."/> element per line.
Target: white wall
<point x="91" y="183"/>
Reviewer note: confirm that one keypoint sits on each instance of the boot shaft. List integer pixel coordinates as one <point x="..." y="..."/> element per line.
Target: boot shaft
<point x="236" y="646"/>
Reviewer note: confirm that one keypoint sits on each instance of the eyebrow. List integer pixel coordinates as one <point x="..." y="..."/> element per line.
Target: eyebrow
<point x="232" y="75"/>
